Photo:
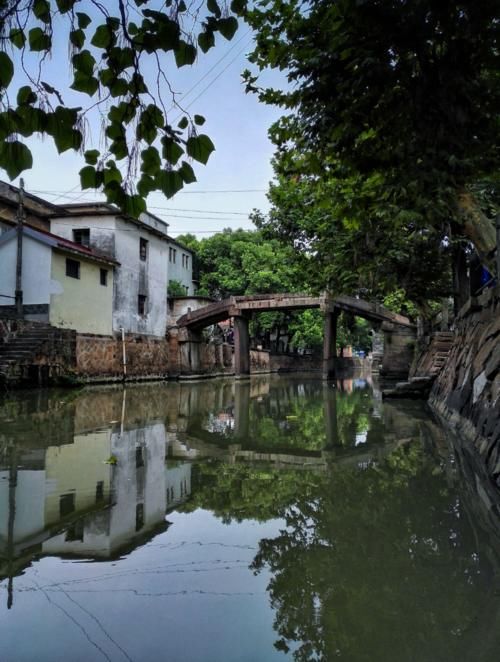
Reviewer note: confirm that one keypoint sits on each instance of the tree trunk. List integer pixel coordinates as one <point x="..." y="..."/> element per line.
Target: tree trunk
<point x="478" y="228"/>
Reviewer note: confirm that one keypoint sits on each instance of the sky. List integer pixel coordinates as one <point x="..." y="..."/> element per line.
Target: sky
<point x="237" y="175"/>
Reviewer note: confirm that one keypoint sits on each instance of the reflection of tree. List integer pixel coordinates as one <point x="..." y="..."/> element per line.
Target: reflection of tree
<point x="372" y="565"/>
<point x="241" y="491"/>
<point x="375" y="567"/>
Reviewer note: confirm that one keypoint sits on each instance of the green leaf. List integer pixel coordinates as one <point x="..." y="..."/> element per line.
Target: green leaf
<point x="199" y="120"/>
<point x="83" y="20"/>
<point x="119" y="88"/>
<point x="88" y="177"/>
<point x="103" y="37"/>
<point x="119" y="148"/>
<point x="183" y="123"/>
<point x="170" y="182"/>
<point x="172" y="151"/>
<point x="134" y="205"/>
<point x="17" y="37"/>
<point x="41" y="10"/>
<point x="65" y="6"/>
<point x="14" y="158"/>
<point x="77" y="38"/>
<point x="227" y="27"/>
<point x="38" y="40"/>
<point x="187" y="173"/>
<point x="112" y="174"/>
<point x="185" y="54"/>
<point x="85" y="83"/>
<point x="26" y="95"/>
<point x="238" y="6"/>
<point x="84" y="63"/>
<point x="206" y="40"/>
<point x="214" y="8"/>
<point x="151" y="161"/>
<point x="145" y="185"/>
<point x="200" y="147"/>
<point x="6" y="70"/>
<point x="91" y="156"/>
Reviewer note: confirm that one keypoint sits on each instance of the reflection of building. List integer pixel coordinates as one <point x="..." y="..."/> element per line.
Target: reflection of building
<point x="93" y="497"/>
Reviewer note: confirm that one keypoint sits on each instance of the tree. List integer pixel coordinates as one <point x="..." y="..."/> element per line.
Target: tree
<point x="398" y="100"/>
<point x="119" y="52"/>
<point x="343" y="246"/>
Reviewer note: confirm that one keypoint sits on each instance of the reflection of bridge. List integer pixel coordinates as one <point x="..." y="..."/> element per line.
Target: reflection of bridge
<point x="240" y="308"/>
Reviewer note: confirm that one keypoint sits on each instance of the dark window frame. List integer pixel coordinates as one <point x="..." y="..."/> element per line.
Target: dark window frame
<point x="81" y="236"/>
<point x="72" y="268"/>
<point x="103" y="277"/>
<point x="143" y="249"/>
<point x="142" y="304"/>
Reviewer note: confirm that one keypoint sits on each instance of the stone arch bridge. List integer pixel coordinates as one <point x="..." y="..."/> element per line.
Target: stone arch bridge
<point x="399" y="332"/>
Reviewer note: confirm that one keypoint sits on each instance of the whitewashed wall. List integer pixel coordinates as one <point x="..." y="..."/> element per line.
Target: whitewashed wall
<point x="36" y="282"/>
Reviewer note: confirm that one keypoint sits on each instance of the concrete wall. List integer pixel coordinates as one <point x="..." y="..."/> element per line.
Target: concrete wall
<point x="135" y="277"/>
<point x="36" y="278"/>
<point x="81" y="303"/>
<point x="179" y="306"/>
<point x="466" y="393"/>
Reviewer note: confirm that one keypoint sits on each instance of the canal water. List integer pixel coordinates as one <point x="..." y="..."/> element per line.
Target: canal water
<point x="278" y="518"/>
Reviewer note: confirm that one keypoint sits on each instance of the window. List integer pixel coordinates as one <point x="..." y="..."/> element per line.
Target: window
<point x="141" y="304"/>
<point x="139" y="516"/>
<point x="66" y="504"/>
<point x="139" y="459"/>
<point x="99" y="491"/>
<point x="185" y="261"/>
<point x="75" y="532"/>
<point x="104" y="277"/>
<point x="72" y="268"/>
<point x="172" y="254"/>
<point x="82" y="237"/>
<point x="143" y="249"/>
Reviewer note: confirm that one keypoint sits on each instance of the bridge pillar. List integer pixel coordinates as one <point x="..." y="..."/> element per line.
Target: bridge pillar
<point x="399" y="349"/>
<point x="241" y="409"/>
<point x="241" y="346"/>
<point x="330" y="344"/>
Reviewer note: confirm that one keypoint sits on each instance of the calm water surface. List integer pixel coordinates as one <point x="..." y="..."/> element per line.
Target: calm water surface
<point x="265" y="520"/>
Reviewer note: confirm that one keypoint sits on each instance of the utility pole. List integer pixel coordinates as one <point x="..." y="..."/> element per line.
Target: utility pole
<point x="19" y="261"/>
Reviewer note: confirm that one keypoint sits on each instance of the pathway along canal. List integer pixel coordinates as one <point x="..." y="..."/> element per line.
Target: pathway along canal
<point x="273" y="519"/>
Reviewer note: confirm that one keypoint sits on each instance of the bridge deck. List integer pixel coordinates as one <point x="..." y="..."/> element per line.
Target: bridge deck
<point x="238" y="306"/>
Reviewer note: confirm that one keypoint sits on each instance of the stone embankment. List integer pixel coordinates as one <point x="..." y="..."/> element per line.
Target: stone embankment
<point x="466" y="393"/>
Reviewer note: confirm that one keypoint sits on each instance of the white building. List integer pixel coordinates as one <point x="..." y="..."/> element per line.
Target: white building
<point x="63" y="283"/>
<point x="145" y="254"/>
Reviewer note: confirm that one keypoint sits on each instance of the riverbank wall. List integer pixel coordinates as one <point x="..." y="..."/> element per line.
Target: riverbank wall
<point x="466" y="393"/>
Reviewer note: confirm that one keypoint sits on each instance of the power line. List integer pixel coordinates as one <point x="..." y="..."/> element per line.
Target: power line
<point x="242" y="190"/>
<point x="183" y="96"/>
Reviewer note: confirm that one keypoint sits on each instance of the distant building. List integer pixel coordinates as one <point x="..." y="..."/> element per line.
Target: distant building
<point x="148" y="259"/>
<point x="64" y="283"/>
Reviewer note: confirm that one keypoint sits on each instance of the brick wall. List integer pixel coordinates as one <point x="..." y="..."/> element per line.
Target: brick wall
<point x="102" y="356"/>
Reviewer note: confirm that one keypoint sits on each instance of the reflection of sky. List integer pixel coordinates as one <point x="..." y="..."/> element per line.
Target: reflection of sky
<point x="186" y="595"/>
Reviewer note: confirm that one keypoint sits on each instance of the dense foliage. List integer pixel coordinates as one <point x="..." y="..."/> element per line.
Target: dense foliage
<point x="120" y="54"/>
<point x="239" y="262"/>
<point x="389" y="137"/>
